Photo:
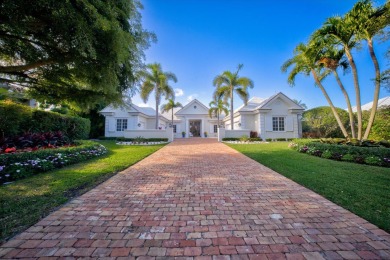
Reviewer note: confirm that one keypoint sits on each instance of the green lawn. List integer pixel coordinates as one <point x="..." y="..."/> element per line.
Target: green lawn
<point x="24" y="202"/>
<point x="362" y="189"/>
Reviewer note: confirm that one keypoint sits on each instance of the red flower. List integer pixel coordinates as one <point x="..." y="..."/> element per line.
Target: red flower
<point x="10" y="150"/>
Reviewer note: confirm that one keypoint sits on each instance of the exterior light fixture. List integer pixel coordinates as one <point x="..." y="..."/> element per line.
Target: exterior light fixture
<point x="139" y="124"/>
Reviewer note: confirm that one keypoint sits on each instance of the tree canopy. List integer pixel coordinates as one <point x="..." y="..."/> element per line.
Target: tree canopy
<point x="76" y="50"/>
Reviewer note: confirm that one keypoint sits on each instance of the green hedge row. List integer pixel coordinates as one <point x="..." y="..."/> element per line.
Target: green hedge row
<point x="379" y="156"/>
<point x="138" y="139"/>
<point x="17" y="119"/>
<point x="17" y="166"/>
<point x="249" y="139"/>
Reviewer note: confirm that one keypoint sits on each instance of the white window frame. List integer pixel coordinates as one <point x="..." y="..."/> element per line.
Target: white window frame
<point x="279" y="125"/>
<point x="121" y="124"/>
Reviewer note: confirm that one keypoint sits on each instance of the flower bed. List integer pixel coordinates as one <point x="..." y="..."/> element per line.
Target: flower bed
<point x="17" y="166"/>
<point x="28" y="142"/>
<point x="378" y="156"/>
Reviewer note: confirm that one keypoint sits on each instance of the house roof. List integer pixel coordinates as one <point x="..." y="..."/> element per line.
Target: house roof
<point x="190" y="104"/>
<point x="147" y="111"/>
<point x="256" y="103"/>
<point x="381" y="103"/>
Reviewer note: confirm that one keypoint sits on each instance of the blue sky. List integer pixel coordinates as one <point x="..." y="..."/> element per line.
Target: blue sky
<point x="199" y="39"/>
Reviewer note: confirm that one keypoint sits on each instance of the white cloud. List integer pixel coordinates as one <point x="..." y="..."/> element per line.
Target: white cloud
<point x="192" y="97"/>
<point x="179" y="92"/>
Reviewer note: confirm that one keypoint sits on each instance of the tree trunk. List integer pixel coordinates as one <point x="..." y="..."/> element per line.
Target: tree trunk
<point x="157" y="105"/>
<point x="172" y="117"/>
<point x="218" y="118"/>
<point x="376" y="91"/>
<point x="357" y="91"/>
<point x="336" y="115"/>
<point x="231" y="108"/>
<point x="348" y="101"/>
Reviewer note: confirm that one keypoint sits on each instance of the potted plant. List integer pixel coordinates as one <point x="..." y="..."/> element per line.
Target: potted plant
<point x="205" y="134"/>
<point x="183" y="134"/>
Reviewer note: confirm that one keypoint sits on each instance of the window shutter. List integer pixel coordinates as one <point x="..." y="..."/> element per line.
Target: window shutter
<point x="111" y="124"/>
<point x="289" y="124"/>
<point x="268" y="123"/>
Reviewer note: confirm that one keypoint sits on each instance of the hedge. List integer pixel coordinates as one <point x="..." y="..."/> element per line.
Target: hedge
<point x="379" y="156"/>
<point x="17" y="119"/>
<point x="138" y="139"/>
<point x="17" y="166"/>
<point x="249" y="139"/>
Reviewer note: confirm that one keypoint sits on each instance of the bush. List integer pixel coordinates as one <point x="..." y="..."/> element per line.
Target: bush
<point x="244" y="138"/>
<point x="369" y="155"/>
<point x="137" y="139"/>
<point x="255" y="139"/>
<point x="21" y="165"/>
<point x="13" y="118"/>
<point x="281" y="139"/>
<point x="229" y="139"/>
<point x="18" y="119"/>
<point x="268" y="139"/>
<point x="34" y="141"/>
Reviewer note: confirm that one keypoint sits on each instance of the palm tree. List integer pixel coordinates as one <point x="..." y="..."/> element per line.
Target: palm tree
<point x="300" y="103"/>
<point x="217" y="107"/>
<point x="368" y="22"/>
<point x="170" y="106"/>
<point x="341" y="32"/>
<point x="304" y="62"/>
<point x="154" y="79"/>
<point x="227" y="83"/>
<point x="332" y="58"/>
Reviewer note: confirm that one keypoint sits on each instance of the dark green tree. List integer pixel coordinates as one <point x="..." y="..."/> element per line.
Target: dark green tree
<point x="320" y="122"/>
<point x="79" y="51"/>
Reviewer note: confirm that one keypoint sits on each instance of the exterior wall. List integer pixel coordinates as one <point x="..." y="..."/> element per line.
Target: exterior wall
<point x="224" y="133"/>
<point x="150" y="133"/>
<point x="279" y="109"/>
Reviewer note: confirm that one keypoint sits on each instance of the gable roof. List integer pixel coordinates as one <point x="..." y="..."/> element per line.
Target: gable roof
<point x="192" y="102"/>
<point x="381" y="103"/>
<point x="257" y="103"/>
<point x="131" y="108"/>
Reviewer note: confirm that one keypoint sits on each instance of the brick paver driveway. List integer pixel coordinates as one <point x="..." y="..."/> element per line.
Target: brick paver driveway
<point x="200" y="199"/>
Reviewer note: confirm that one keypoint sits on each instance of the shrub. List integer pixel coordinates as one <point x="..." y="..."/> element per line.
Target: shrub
<point x="228" y="139"/>
<point x="268" y="139"/>
<point x="34" y="141"/>
<point x="255" y="139"/>
<point x="244" y="138"/>
<point x="17" y="119"/>
<point x="358" y="154"/>
<point x="281" y="139"/>
<point x="13" y="118"/>
<point x="20" y="165"/>
<point x="123" y="139"/>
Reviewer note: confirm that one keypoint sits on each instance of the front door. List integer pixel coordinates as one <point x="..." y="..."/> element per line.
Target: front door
<point x="195" y="128"/>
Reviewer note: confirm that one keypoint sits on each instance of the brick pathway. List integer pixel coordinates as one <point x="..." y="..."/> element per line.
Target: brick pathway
<point x="200" y="199"/>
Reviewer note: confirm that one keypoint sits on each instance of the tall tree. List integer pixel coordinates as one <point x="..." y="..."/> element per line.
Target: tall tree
<point x="153" y="79"/>
<point x="340" y="31"/>
<point x="367" y="22"/>
<point x="304" y="61"/>
<point x="218" y="107"/>
<point x="170" y="106"/>
<point x="229" y="82"/>
<point x="82" y="51"/>
<point x="332" y="59"/>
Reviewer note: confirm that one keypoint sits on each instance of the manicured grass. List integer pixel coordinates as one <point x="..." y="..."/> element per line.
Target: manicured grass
<point x="24" y="202"/>
<point x="362" y="189"/>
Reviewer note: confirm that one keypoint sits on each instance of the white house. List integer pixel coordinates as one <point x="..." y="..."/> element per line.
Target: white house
<point x="383" y="102"/>
<point x="274" y="117"/>
<point x="130" y="117"/>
